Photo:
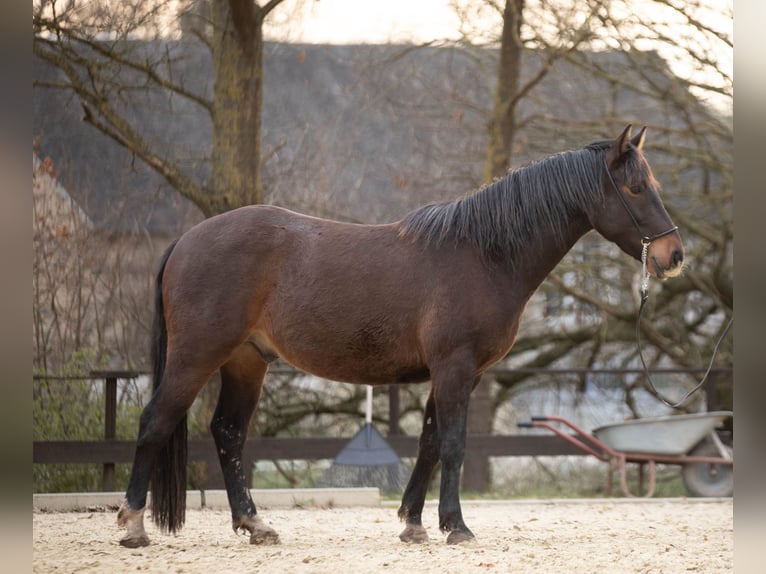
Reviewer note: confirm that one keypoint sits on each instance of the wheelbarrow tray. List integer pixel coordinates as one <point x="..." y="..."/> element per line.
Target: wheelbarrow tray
<point x="673" y="435"/>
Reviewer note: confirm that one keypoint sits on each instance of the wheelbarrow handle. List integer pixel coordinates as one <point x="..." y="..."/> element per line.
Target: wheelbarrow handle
<point x="531" y="423"/>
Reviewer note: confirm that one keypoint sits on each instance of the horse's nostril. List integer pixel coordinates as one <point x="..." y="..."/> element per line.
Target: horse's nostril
<point x="677" y="258"/>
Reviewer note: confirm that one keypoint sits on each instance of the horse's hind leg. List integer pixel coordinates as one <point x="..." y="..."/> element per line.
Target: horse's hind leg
<point x="159" y="419"/>
<point x="415" y="494"/>
<point x="241" y="383"/>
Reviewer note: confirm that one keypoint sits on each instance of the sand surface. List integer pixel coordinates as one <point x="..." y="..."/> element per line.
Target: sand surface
<point x="594" y="536"/>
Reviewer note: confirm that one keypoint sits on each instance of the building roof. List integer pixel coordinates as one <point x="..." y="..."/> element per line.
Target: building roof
<point x="359" y="132"/>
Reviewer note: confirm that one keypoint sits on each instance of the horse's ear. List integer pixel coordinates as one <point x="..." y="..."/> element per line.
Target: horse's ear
<point x="620" y="146"/>
<point x="639" y="139"/>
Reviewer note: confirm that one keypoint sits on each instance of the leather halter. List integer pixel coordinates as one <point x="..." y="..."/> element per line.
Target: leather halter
<point x="645" y="239"/>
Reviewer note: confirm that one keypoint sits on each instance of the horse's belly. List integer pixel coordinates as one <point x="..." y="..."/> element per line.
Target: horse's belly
<point x="371" y="376"/>
<point x="351" y="366"/>
<point x="371" y="356"/>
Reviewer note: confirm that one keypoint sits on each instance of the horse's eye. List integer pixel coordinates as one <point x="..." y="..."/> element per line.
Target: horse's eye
<point x="635" y="189"/>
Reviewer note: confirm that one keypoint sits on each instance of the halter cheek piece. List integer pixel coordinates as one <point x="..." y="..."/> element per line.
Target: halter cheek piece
<point x="646" y="240"/>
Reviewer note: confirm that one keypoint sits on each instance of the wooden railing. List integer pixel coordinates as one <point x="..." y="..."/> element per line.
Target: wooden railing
<point x="110" y="451"/>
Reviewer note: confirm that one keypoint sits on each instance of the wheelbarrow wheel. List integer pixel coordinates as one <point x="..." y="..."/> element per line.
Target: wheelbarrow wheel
<point x="705" y="479"/>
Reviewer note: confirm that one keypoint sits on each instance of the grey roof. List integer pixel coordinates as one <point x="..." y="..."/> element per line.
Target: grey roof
<point x="365" y="132"/>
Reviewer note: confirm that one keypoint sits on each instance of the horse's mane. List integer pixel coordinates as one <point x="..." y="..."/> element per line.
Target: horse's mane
<point x="501" y="218"/>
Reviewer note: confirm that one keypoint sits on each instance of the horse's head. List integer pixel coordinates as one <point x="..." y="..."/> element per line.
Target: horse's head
<point x="632" y="214"/>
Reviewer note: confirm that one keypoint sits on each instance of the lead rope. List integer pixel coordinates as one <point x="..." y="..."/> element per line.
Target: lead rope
<point x="644" y="299"/>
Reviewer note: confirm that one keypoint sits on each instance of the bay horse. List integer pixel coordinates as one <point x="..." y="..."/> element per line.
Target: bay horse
<point x="435" y="296"/>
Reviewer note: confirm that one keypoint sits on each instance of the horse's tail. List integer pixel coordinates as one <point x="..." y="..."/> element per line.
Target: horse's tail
<point x="168" y="480"/>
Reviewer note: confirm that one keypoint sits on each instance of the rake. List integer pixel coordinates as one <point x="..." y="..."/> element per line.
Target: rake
<point x="367" y="460"/>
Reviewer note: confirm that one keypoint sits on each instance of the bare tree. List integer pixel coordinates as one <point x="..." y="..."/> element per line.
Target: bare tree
<point x="93" y="45"/>
<point x="574" y="29"/>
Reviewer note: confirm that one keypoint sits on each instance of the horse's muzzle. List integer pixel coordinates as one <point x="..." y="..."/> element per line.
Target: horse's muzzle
<point x="673" y="268"/>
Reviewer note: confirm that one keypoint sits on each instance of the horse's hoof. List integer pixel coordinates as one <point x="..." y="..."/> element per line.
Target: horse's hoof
<point x="266" y="537"/>
<point x="260" y="533"/>
<point x="133" y="520"/>
<point x="135" y="541"/>
<point x="460" y="537"/>
<point x="414" y="533"/>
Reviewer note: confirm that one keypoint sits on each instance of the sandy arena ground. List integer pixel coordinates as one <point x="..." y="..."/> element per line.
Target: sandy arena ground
<point x="595" y="536"/>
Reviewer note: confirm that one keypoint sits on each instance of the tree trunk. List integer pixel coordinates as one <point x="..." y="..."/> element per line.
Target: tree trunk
<point x="476" y="468"/>
<point x="238" y="96"/>
<point x="502" y="125"/>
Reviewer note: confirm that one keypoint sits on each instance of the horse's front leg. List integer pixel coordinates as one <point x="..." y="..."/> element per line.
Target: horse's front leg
<point x="415" y="494"/>
<point x="452" y="390"/>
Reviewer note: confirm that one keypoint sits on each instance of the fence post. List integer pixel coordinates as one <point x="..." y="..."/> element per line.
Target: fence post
<point x="476" y="466"/>
<point x="110" y="426"/>
<point x="393" y="411"/>
<point x="110" y="416"/>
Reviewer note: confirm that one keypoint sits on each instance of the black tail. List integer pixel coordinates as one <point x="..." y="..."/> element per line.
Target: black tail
<point x="168" y="481"/>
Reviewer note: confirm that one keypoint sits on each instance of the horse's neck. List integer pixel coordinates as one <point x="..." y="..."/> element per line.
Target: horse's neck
<point x="544" y="253"/>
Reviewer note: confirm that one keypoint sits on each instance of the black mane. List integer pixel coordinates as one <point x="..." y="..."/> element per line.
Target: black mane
<point x="501" y="218"/>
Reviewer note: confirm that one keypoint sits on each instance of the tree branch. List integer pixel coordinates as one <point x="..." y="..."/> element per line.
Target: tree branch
<point x="146" y="69"/>
<point x="99" y="113"/>
<point x="582" y="296"/>
<point x="270" y="5"/>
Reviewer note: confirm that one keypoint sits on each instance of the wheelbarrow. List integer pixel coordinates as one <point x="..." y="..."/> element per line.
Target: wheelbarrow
<point x="686" y="440"/>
